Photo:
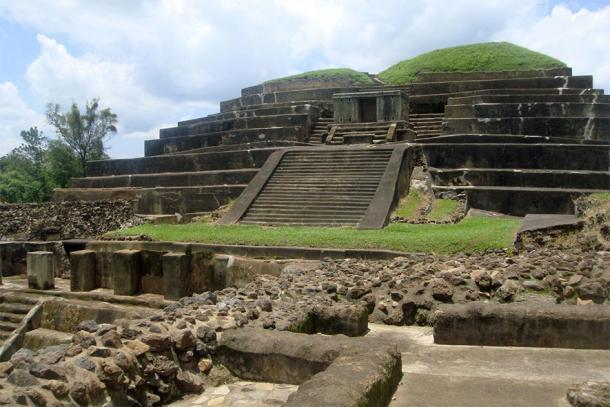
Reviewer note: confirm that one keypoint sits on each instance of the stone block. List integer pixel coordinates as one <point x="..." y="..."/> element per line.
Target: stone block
<point x="176" y="275"/>
<point x="126" y="272"/>
<point x="41" y="270"/>
<point x="549" y="326"/>
<point x="82" y="270"/>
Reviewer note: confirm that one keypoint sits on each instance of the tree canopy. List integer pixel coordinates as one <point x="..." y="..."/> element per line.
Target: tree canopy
<point x="85" y="133"/>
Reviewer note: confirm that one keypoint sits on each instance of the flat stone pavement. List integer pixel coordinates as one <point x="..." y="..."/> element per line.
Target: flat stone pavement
<point x="243" y="393"/>
<point x="446" y="375"/>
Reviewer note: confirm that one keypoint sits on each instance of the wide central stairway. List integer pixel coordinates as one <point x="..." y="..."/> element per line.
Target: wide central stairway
<point x="320" y="187"/>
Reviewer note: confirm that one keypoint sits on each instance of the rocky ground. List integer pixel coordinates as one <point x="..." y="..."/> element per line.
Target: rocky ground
<point x="159" y="359"/>
<point x="64" y="220"/>
<point x="155" y="360"/>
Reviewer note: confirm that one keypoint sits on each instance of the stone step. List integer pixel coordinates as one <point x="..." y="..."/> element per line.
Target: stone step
<point x="160" y="200"/>
<point x="301" y="218"/>
<point x="179" y="144"/>
<point x="242" y="123"/>
<point x="225" y="160"/>
<point x="518" y="155"/>
<point x="545" y="109"/>
<point x="8" y="326"/>
<point x="263" y="110"/>
<point x="312" y="205"/>
<point x="339" y="201"/>
<point x="427" y="88"/>
<point x="304" y="211"/>
<point x="196" y="178"/>
<point x="576" y="127"/>
<point x="11" y="317"/>
<point x="528" y="98"/>
<point x="319" y="190"/>
<point x="309" y="223"/>
<point x="344" y="183"/>
<point x="595" y="180"/>
<point x="486" y="75"/>
<point x="15" y="308"/>
<point x="435" y="103"/>
<point x="519" y="201"/>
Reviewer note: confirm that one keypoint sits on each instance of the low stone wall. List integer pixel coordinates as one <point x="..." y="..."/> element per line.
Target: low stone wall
<point x="13" y="257"/>
<point x="551" y="326"/>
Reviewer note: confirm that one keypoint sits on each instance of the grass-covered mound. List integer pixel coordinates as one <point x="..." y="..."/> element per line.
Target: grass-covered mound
<point x="488" y="56"/>
<point x="472" y="234"/>
<point x="357" y="78"/>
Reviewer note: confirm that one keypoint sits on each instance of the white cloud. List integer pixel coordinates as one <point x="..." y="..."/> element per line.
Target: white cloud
<point x="15" y="116"/>
<point x="57" y="76"/>
<point x="580" y="38"/>
<point x="157" y="62"/>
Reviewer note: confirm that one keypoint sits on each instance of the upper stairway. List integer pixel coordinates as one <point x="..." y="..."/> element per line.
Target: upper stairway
<point x="366" y="133"/>
<point x="423" y="125"/>
<point x="320" y="130"/>
<point x="327" y="186"/>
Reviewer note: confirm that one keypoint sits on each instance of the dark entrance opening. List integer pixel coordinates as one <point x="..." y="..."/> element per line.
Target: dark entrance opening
<point x="368" y="109"/>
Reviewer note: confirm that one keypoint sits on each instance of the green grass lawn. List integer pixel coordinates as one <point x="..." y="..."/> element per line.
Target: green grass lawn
<point x="357" y="78"/>
<point x="441" y="208"/>
<point x="489" y="56"/>
<point x="472" y="234"/>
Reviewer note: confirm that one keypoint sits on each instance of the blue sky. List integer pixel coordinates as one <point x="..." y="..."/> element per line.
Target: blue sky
<point x="157" y="62"/>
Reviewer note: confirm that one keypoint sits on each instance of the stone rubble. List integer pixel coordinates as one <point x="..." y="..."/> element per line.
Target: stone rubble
<point x="64" y="220"/>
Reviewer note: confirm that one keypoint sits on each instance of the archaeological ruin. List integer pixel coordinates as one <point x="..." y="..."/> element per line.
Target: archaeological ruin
<point x="88" y="318"/>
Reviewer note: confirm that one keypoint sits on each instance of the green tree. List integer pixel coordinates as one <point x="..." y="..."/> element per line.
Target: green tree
<point x="17" y="186"/>
<point x="61" y="164"/>
<point x="85" y="133"/>
<point x="33" y="149"/>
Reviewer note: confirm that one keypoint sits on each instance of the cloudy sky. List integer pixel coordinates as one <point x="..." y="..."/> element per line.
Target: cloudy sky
<point x="157" y="62"/>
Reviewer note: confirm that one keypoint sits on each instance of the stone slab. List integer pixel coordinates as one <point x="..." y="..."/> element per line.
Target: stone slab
<point x="533" y="222"/>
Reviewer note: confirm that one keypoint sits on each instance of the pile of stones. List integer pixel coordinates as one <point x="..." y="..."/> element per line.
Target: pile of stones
<point x="160" y="358"/>
<point x="64" y="220"/>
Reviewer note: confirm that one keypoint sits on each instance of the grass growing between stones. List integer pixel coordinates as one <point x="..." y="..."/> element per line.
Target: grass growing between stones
<point x="489" y="56"/>
<point x="355" y="77"/>
<point x="471" y="234"/>
<point x="442" y="208"/>
<point x="409" y="205"/>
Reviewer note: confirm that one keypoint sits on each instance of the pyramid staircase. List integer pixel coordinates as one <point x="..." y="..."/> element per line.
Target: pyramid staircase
<point x="326" y="186"/>
<point x="425" y="125"/>
<point x="365" y="133"/>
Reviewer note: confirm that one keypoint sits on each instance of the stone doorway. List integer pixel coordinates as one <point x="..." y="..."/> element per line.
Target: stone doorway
<point x="368" y="110"/>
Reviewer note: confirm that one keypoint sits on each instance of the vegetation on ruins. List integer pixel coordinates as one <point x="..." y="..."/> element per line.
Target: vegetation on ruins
<point x="473" y="234"/>
<point x="31" y="171"/>
<point x="357" y="78"/>
<point x="489" y="56"/>
<point x="85" y="133"/>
